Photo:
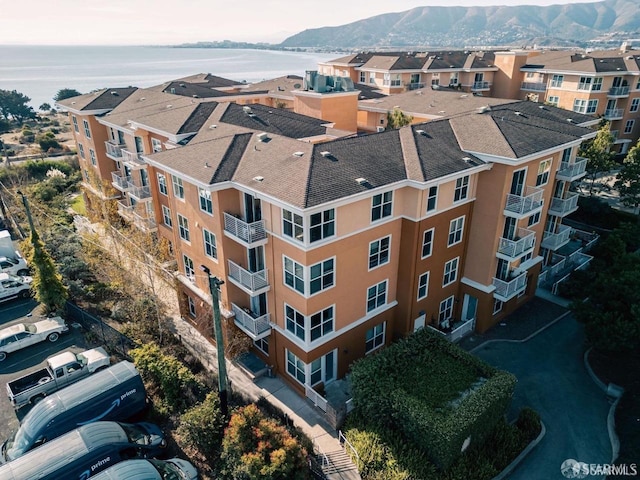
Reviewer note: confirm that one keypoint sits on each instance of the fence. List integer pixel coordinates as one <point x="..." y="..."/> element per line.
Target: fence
<point x="345" y="443"/>
<point x="106" y="334"/>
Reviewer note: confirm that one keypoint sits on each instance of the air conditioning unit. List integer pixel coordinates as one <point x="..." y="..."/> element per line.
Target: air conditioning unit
<point x="380" y="129"/>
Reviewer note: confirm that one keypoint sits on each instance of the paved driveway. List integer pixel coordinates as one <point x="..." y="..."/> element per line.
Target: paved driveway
<point x="552" y="379"/>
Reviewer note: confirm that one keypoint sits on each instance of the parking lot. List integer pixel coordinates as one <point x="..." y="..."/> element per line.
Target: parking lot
<point x="28" y="360"/>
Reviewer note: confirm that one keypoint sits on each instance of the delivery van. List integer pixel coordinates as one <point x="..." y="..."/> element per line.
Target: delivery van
<point x="172" y="469"/>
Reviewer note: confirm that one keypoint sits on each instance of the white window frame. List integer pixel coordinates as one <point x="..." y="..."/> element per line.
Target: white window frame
<point x="189" y="269"/>
<point x="634" y="106"/>
<point x="178" y="187"/>
<point x="556" y="81"/>
<point x="191" y="306"/>
<point x="553" y="100"/>
<point x="379" y="253"/>
<point x="327" y="273"/>
<point x="363" y="77"/>
<point x="262" y="344"/>
<point x="162" y="184"/>
<point x="544" y="171"/>
<point x="378" y="210"/>
<point x="326" y="325"/>
<point x="427" y="241"/>
<point x="450" y="274"/>
<point x="534" y="219"/>
<point x="378" y="334"/>
<point x="445" y="310"/>
<point x="205" y="202"/>
<point x="456" y="231"/>
<point x="210" y="244"/>
<point x="87" y="129"/>
<point x="74" y="120"/>
<point x="92" y="156"/>
<point x="628" y="126"/>
<point x="432" y="199"/>
<point x="293" y="272"/>
<point x="374" y="293"/>
<point x="461" y="190"/>
<point x="372" y="77"/>
<point x="295" y="223"/>
<point x="183" y="228"/>
<point x="497" y="306"/>
<point x="423" y="286"/>
<point x="592" y="106"/>
<point x="326" y="225"/>
<point x="81" y="151"/>
<point x="166" y="217"/>
<point x="297" y="365"/>
<point x="292" y="325"/>
<point x="156" y="145"/>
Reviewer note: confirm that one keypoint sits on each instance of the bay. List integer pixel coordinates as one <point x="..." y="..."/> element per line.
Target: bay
<point x="40" y="71"/>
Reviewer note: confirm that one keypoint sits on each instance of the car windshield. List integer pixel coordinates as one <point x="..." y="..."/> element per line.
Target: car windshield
<point x="16" y="444"/>
<point x="167" y="470"/>
<point x="135" y="434"/>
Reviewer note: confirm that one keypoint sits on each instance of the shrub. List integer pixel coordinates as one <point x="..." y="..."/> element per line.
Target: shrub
<point x="529" y="423"/>
<point x="203" y="426"/>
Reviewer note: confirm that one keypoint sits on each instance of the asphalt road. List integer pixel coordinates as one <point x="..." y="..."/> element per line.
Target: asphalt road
<point x="553" y="380"/>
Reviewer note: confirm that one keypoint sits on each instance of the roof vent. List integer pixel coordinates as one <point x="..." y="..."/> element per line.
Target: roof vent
<point x="466" y="159"/>
<point x="484" y="109"/>
<point x="298" y="154"/>
<point x="570" y="120"/>
<point x="194" y="96"/>
<point x="326" y="153"/>
<point x="541" y="107"/>
<point x="73" y="103"/>
<point x="420" y="132"/>
<point x="262" y="137"/>
<point x="258" y="178"/>
<point x="183" y="85"/>
<point x="361" y="181"/>
<point x="169" y="106"/>
<point x="246" y="109"/>
<point x="142" y="99"/>
<point x="211" y="127"/>
<point x="518" y="113"/>
<point x="206" y="165"/>
<point x="113" y="92"/>
<point x="464" y="95"/>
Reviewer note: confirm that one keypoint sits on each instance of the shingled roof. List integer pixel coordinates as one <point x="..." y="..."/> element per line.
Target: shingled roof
<point x="106" y="99"/>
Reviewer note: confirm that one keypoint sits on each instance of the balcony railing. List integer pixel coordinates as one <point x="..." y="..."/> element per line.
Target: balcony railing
<point x="517" y="247"/>
<point x="247" y="233"/>
<point x="618" y="92"/>
<point x="256" y="328"/>
<point x="133" y="159"/>
<point x="534" y="86"/>
<point x="561" y="207"/>
<point x="121" y="182"/>
<point x="145" y="223"/>
<point x="415" y="86"/>
<point x="613" y="113"/>
<point x="572" y="171"/>
<point x="480" y="86"/>
<point x="113" y="151"/>
<point x="554" y="241"/>
<point x="459" y="330"/>
<point x="253" y="283"/>
<point x="507" y="289"/>
<point x="521" y="206"/>
<point x="140" y="193"/>
<point x="124" y="209"/>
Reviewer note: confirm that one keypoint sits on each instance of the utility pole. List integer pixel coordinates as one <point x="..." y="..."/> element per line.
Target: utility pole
<point x="214" y="285"/>
<point x="29" y="218"/>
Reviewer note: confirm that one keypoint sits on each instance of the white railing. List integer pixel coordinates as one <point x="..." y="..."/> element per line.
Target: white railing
<point x="124" y="209"/>
<point x="508" y="289"/>
<point x="542" y="277"/>
<point x="553" y="241"/>
<point x="416" y="85"/>
<point x="571" y="171"/>
<point x="252" y="281"/>
<point x="611" y="113"/>
<point x="349" y="405"/>
<point x="144" y="222"/>
<point x="346" y="443"/>
<point x="255" y="327"/>
<point x="139" y="192"/>
<point x="535" y="86"/>
<point x="120" y="181"/>
<point x="132" y="158"/>
<point x="618" y="91"/>
<point x="564" y="206"/>
<point x="588" y="239"/>
<point x="317" y="399"/>
<point x="247" y="232"/>
<point x="522" y="205"/>
<point x="480" y="86"/>
<point x="113" y="150"/>
<point x="458" y="332"/>
<point x="515" y="248"/>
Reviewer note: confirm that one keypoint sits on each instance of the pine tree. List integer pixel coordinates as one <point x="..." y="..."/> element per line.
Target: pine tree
<point x="628" y="180"/>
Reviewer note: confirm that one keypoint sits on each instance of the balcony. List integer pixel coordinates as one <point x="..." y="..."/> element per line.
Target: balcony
<point x="114" y="151"/>
<point x="534" y="86"/>
<point x="248" y="234"/>
<point x="140" y="193"/>
<point x="415" y="86"/>
<point x="253" y="283"/>
<point x="561" y="207"/>
<point x="613" y="113"/>
<point x="509" y="249"/>
<point x="572" y="171"/>
<point x="507" y="289"/>
<point x="132" y="159"/>
<point x="256" y="328"/>
<point x="121" y="182"/>
<point x="554" y="241"/>
<point x="519" y="206"/>
<point x="125" y="210"/>
<point x="619" y="92"/>
<point x="457" y="331"/>
<point x="144" y="223"/>
<point x="477" y="86"/>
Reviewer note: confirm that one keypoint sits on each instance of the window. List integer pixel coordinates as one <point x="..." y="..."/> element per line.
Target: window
<point x="543" y="172"/>
<point x="162" y="184"/>
<point x="321" y="323"/>
<point x="210" y="246"/>
<point x="450" y="272"/>
<point x="363" y="77"/>
<point x="81" y="150"/>
<point x="322" y="225"/>
<point x="372" y="77"/>
<point x="178" y="188"/>
<point x="92" y="156"/>
<point x="497" y="306"/>
<point x="597" y="84"/>
<point x="435" y="79"/>
<point x="585" y="83"/>
<point x="86" y="175"/>
<point x="156" y="145"/>
<point x="462" y="189"/>
<point x="423" y="285"/>
<point x="87" y="131"/>
<point x="192" y="306"/>
<point x="75" y="123"/>
<point x="432" y="198"/>
<point x="374" y="337"/>
<point x="553" y="100"/>
<point x="205" y="201"/>
<point x="427" y="243"/>
<point x="376" y="296"/>
<point x="262" y="344"/>
<point x="321" y="276"/>
<point x="316" y="371"/>
<point x="456" y="227"/>
<point x="379" y="252"/>
<point x="533" y="219"/>
<point x="445" y="312"/>
<point x="415" y="78"/>
<point x="566" y="154"/>
<point x="166" y="216"/>
<point x="189" y="271"/>
<point x="556" y="81"/>
<point x="183" y="228"/>
<point x="635" y="104"/>
<point x="585" y="106"/>
<point x="628" y="127"/>
<point x="592" y="106"/>
<point x="294" y="321"/>
<point x="295" y="367"/>
<point x="381" y="206"/>
<point x="292" y="225"/>
<point x="453" y="79"/>
<point x="294" y="275"/>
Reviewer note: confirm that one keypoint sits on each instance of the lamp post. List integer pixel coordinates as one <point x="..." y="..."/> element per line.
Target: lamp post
<point x="214" y="285"/>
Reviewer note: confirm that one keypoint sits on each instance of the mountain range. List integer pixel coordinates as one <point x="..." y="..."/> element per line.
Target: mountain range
<point x="574" y="24"/>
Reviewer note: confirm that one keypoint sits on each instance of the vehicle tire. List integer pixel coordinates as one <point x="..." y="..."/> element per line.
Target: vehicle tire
<point x="3" y="355"/>
<point x="36" y="399"/>
<point x="23" y="273"/>
<point x="25" y="294"/>
<point x="53" y="337"/>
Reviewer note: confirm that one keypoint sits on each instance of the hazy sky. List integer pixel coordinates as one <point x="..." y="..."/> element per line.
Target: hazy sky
<point x="136" y="22"/>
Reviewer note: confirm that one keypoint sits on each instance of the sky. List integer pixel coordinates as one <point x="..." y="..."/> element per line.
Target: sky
<point x="168" y="22"/>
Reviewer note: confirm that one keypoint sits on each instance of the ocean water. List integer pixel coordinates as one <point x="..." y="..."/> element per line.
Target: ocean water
<point x="40" y="71"/>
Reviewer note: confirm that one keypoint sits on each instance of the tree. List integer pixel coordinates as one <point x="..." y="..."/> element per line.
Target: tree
<point x="47" y="141"/>
<point x="45" y="107"/>
<point x="203" y="426"/>
<point x="628" y="180"/>
<point x="13" y="106"/>
<point x="64" y="93"/>
<point x="598" y="154"/>
<point x="397" y="118"/>
<point x="255" y="446"/>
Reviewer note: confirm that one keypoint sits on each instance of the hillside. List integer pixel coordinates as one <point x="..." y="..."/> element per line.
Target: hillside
<point x="572" y="24"/>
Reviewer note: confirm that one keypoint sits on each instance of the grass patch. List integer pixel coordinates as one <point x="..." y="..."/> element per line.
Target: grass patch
<point x="78" y="205"/>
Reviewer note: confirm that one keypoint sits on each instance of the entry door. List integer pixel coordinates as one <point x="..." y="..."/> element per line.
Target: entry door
<point x="469" y="307"/>
<point x="259" y="305"/>
<point x="252" y="208"/>
<point x="256" y="259"/>
<point x="617" y="82"/>
<point x="517" y="182"/>
<point x="509" y="228"/>
<point x="139" y="146"/>
<point x="611" y="104"/>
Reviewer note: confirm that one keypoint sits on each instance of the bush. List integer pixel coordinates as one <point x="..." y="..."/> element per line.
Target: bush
<point x="203" y="426"/>
<point x="529" y="423"/>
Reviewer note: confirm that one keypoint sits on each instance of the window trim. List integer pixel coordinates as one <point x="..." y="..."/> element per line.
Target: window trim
<point x="628" y="126"/>
<point x="208" y="201"/>
<point x="179" y="191"/>
<point x="191" y="277"/>
<point x="294" y="225"/>
<point x="634" y="105"/>
<point x="458" y="232"/>
<point x="449" y="303"/>
<point x="162" y="184"/>
<point x="167" y="220"/>
<point x="322" y="225"/>
<point x="424" y="234"/>
<point x="87" y="129"/>
<point x="377" y="295"/>
<point x="425" y="286"/>
<point x="433" y="197"/>
<point x="497" y="306"/>
<point x="214" y="245"/>
<point x="296" y="367"/>
<point x="382" y="335"/>
<point x="293" y="274"/>
<point x="183" y="226"/>
<point x="380" y="250"/>
<point x="445" y="274"/>
<point x="381" y="206"/>
<point x="543" y="178"/>
<point x="462" y="186"/>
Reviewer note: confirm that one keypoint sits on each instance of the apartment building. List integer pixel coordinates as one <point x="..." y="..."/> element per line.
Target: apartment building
<point x="330" y="248"/>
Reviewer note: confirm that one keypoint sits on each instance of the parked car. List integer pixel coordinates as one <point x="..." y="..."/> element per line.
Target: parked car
<point x="12" y="286"/>
<point x="172" y="469"/>
<point x="22" y="335"/>
<point x="14" y="265"/>
<point x="61" y="370"/>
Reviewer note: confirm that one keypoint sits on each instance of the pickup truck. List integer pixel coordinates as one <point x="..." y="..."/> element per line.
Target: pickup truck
<point x="61" y="370"/>
<point x="21" y="335"/>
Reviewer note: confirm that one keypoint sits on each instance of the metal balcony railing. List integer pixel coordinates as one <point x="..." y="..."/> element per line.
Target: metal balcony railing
<point x="480" y="86"/>
<point x="554" y="241"/>
<point x="124" y="209"/>
<point x="121" y="182"/>
<point x="252" y="282"/>
<point x="133" y="159"/>
<point x="507" y="289"/>
<point x="247" y="233"/>
<point x="571" y="171"/>
<point x="113" y="151"/>
<point x="416" y="85"/>
<point x="520" y="205"/>
<point x="534" y="86"/>
<point x="561" y="207"/>
<point x="515" y="248"/>
<point x="618" y="92"/>
<point x="256" y="328"/>
<point x="140" y="193"/>
<point x="613" y="113"/>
